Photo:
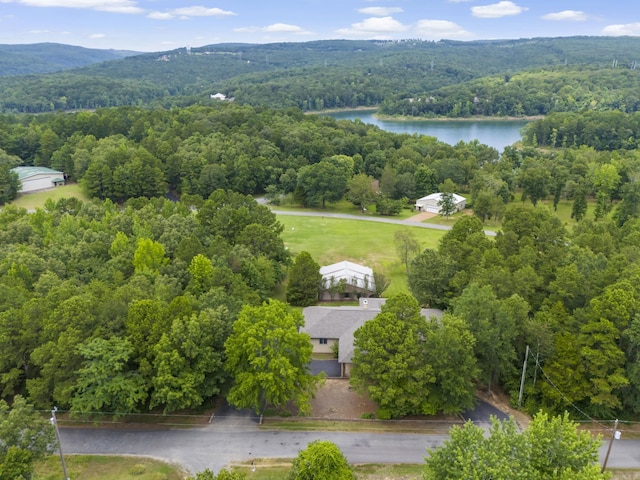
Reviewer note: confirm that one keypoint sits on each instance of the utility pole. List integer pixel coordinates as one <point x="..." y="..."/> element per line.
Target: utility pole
<point x="524" y="371"/>
<point x="614" y="436"/>
<point x="54" y="422"/>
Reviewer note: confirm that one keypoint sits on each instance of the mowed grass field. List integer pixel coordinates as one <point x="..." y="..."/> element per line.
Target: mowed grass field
<point x="331" y="240"/>
<point x="34" y="200"/>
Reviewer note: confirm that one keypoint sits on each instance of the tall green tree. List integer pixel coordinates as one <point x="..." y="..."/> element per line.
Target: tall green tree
<point x="304" y="282"/>
<point x="25" y="437"/>
<point x="360" y="191"/>
<point x="389" y="363"/>
<point x="321" y="460"/>
<point x="322" y="182"/>
<point x="107" y="382"/>
<point x="268" y="358"/>
<point x="407" y="246"/>
<point x="9" y="184"/>
<point x="549" y="449"/>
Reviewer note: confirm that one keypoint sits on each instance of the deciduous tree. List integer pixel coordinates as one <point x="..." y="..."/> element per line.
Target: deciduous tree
<point x="268" y="358"/>
<point x="321" y="460"/>
<point x="25" y="436"/>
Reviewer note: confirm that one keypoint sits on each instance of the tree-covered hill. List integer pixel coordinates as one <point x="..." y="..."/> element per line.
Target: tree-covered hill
<point x="537" y="92"/>
<point x="41" y="58"/>
<point x="311" y="75"/>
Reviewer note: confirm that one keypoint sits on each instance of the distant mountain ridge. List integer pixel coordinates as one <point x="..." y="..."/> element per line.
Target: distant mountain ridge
<point x="312" y="76"/>
<point x="38" y="58"/>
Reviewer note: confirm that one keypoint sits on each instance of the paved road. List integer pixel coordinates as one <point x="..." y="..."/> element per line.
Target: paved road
<point x="395" y="221"/>
<point x="215" y="446"/>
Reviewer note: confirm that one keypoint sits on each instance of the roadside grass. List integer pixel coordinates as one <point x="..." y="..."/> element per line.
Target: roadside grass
<point x="267" y="470"/>
<point x="342" y="206"/>
<point x="31" y="201"/>
<point x="270" y="469"/>
<point x="301" y="424"/>
<point x="98" y="467"/>
<point x="331" y="240"/>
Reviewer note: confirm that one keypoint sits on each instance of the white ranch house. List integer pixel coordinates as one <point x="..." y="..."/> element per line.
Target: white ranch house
<point x="430" y="203"/>
<point x="38" y="178"/>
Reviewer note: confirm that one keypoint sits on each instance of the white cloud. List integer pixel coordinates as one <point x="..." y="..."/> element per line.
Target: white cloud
<point x="274" y="28"/>
<point x="497" y="10"/>
<point x="160" y="16"/>
<point x="190" y="12"/>
<point x="376" y="26"/>
<point x="97" y="35"/>
<point x="566" y="15"/>
<point x="114" y="6"/>
<point x="380" y="11"/>
<point x="439" y="29"/>
<point x="630" y="29"/>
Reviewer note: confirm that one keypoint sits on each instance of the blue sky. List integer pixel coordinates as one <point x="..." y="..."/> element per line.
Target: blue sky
<point x="156" y="25"/>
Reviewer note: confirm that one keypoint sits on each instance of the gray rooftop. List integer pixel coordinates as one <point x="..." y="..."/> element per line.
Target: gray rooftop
<point x="340" y="323"/>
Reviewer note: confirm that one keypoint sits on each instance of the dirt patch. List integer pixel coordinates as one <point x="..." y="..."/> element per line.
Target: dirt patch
<point x="422" y="216"/>
<point x="336" y="400"/>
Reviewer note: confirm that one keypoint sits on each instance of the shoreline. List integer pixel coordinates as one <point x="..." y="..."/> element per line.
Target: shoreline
<point x="405" y="118"/>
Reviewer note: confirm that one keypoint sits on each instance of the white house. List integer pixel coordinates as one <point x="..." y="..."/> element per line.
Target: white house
<point x="333" y="327"/>
<point x="38" y="178"/>
<point x="346" y="279"/>
<point x="218" y="96"/>
<point x="430" y="203"/>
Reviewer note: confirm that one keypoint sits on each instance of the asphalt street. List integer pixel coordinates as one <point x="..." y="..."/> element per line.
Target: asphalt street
<point x="215" y="446"/>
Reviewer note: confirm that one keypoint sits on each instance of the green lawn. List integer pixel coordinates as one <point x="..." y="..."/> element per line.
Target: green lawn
<point x="343" y="206"/>
<point x="31" y="201"/>
<point x="97" y="467"/>
<point x="267" y="471"/>
<point x="331" y="240"/>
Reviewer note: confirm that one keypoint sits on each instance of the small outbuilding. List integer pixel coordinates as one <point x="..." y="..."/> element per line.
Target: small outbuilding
<point x="430" y="203"/>
<point x="346" y="280"/>
<point x="38" y="178"/>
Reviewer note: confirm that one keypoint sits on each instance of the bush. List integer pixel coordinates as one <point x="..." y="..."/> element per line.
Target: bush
<point x="137" y="469"/>
<point x="367" y="416"/>
<point x="384" y="414"/>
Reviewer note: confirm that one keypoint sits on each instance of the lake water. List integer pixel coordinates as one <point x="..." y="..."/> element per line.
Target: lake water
<point x="495" y="133"/>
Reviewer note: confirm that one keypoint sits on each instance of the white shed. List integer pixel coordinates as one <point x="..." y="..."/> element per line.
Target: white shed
<point x="430" y="203"/>
<point x="356" y="279"/>
<point x="38" y="178"/>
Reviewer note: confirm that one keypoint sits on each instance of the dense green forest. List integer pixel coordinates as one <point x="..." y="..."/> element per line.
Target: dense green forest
<point x="327" y="74"/>
<point x="41" y="58"/>
<point x="137" y="284"/>
<point x="531" y="93"/>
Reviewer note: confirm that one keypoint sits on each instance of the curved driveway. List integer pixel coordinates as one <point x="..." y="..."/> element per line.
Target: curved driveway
<point x="215" y="446"/>
<point x="395" y="221"/>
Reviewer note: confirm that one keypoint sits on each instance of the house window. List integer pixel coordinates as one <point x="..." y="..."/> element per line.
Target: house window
<point x="323" y="341"/>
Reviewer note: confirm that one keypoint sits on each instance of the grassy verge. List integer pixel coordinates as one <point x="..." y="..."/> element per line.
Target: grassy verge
<point x="343" y="206"/>
<point x="31" y="201"/>
<point x="278" y="469"/>
<point x="94" y="467"/>
<point x="427" y="427"/>
<point x="331" y="240"/>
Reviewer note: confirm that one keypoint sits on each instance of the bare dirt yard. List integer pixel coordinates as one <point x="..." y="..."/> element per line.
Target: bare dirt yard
<point x="336" y="400"/>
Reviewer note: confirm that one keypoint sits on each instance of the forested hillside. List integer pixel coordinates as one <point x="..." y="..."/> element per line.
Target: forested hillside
<point x="314" y="75"/>
<point x="149" y="288"/>
<point x="531" y="93"/>
<point x="41" y="58"/>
